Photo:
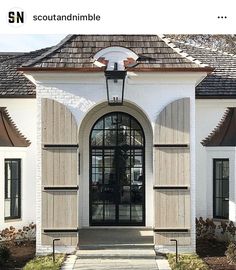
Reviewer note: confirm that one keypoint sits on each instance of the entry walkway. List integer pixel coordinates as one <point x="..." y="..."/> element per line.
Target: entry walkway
<point x="116" y="249"/>
<point x="114" y="259"/>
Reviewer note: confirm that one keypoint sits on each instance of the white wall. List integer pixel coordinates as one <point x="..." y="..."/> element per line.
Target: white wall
<point x="23" y="113"/>
<point x="221" y="152"/>
<point x="208" y="115"/>
<point x="148" y="92"/>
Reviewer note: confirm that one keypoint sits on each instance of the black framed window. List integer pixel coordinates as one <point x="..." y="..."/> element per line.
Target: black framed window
<point x="221" y="188"/>
<point x="12" y="188"/>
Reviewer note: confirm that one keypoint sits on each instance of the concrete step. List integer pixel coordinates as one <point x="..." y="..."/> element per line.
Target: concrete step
<point x="137" y="253"/>
<point x="114" y="236"/>
<point x="116" y="246"/>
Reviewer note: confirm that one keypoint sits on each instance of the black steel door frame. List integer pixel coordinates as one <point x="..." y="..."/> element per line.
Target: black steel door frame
<point x="116" y="223"/>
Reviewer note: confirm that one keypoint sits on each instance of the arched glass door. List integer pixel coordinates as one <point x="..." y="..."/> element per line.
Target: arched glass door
<point x="117" y="177"/>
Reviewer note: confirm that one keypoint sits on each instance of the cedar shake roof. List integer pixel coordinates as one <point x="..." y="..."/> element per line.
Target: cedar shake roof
<point x="226" y="43"/>
<point x="8" y="55"/>
<point x="225" y="132"/>
<point x="221" y="83"/>
<point x="12" y="82"/>
<point x="9" y="133"/>
<point x="77" y="51"/>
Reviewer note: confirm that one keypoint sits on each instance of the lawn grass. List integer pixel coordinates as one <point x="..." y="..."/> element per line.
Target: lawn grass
<point x="45" y="263"/>
<point x="187" y="262"/>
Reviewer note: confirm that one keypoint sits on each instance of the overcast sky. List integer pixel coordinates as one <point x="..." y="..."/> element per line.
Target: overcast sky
<point x="25" y="43"/>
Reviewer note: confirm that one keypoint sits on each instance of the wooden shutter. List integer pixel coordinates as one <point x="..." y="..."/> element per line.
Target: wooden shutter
<point x="59" y="174"/>
<point x="172" y="174"/>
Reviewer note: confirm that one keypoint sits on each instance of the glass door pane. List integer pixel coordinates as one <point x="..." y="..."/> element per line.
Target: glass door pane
<point x="116" y="171"/>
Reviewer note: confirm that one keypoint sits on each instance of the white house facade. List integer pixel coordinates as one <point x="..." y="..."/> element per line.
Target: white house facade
<point x="146" y="162"/>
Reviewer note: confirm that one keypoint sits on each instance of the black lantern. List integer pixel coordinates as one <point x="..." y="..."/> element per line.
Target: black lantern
<point x="115" y="82"/>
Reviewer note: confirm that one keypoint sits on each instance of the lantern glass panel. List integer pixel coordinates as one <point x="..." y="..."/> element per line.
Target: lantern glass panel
<point x="115" y="91"/>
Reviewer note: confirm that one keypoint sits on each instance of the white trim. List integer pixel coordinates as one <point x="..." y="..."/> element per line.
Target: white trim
<point x="221" y="152"/>
<point x="213" y="103"/>
<point x="112" y="49"/>
<point x="220" y="149"/>
<point x="91" y="117"/>
<point x="13" y="153"/>
<point x="193" y="172"/>
<point x="98" y="78"/>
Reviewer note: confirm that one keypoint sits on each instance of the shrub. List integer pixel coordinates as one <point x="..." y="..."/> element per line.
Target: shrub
<point x="11" y="233"/>
<point x="4" y="254"/>
<point x="208" y="230"/>
<point x="231" y="253"/>
<point x="205" y="228"/>
<point x="187" y="262"/>
<point x="45" y="263"/>
<point x="228" y="228"/>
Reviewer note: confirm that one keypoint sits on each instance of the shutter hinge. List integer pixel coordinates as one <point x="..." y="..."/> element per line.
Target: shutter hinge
<point x="174" y="145"/>
<point x="60" y="146"/>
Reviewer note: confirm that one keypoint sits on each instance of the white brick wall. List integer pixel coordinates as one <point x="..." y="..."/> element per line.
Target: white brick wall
<point x="146" y="94"/>
<point x="23" y="113"/>
<point x="208" y="115"/>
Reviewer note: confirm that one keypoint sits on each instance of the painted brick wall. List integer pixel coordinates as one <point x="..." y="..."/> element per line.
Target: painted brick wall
<point x="208" y="115"/>
<point x="149" y="93"/>
<point x="23" y="113"/>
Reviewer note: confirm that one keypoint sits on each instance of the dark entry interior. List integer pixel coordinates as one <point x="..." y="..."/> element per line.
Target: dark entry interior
<point x="117" y="182"/>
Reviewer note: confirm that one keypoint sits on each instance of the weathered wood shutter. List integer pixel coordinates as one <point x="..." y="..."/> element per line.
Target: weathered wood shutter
<point x="172" y="174"/>
<point x="59" y="174"/>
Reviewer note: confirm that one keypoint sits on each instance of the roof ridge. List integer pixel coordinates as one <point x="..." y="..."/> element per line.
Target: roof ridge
<point x="13" y="57"/>
<point x="48" y="52"/>
<point x="205" y="48"/>
<point x="12" y="53"/>
<point x="169" y="42"/>
<point x="18" y="56"/>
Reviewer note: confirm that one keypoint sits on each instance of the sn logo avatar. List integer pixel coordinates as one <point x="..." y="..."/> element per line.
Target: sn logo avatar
<point x="16" y="17"/>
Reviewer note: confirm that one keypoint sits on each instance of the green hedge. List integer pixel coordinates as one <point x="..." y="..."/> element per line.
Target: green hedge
<point x="187" y="262"/>
<point x="45" y="263"/>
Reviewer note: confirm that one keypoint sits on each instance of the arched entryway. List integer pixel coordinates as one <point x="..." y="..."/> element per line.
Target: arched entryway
<point x="117" y="174"/>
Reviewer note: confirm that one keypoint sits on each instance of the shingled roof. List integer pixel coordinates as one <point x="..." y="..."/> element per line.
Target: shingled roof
<point x="221" y="83"/>
<point x="12" y="82"/>
<point x="8" y="55"/>
<point x="76" y="52"/>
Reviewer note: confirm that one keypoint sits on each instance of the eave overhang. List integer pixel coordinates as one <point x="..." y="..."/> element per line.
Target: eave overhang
<point x="161" y="69"/>
<point x="10" y="136"/>
<point x="225" y="132"/>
